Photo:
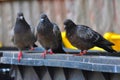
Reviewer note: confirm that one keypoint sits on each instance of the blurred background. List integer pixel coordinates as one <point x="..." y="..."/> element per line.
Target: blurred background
<point x="101" y="15"/>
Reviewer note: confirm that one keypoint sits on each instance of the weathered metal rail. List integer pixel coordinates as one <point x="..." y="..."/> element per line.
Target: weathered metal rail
<point x="93" y="66"/>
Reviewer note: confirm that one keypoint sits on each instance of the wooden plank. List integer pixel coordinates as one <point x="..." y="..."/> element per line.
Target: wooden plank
<point x="59" y="13"/>
<point x="29" y="73"/>
<point x="6" y="23"/>
<point x="70" y="10"/>
<point x="108" y="16"/>
<point x="17" y="73"/>
<point x="1" y="27"/>
<point x="15" y="8"/>
<point x="47" y="8"/>
<point x="59" y="74"/>
<point x="46" y="76"/>
<point x="116" y="19"/>
<point x="80" y="16"/>
<point x="43" y="73"/>
<point x="35" y="8"/>
<point x="35" y="12"/>
<point x="114" y="76"/>
<point x="95" y="76"/>
<point x="93" y="13"/>
<point x="24" y="73"/>
<point x="100" y="14"/>
<point x="25" y="8"/>
<point x="75" y="74"/>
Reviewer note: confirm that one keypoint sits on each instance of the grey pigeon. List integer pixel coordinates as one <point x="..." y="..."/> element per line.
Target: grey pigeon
<point x="84" y="38"/>
<point x="49" y="36"/>
<point x="23" y="36"/>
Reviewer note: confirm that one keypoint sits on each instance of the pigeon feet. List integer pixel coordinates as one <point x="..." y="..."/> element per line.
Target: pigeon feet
<point x="32" y="48"/>
<point x="19" y="56"/>
<point x="51" y="52"/>
<point x="81" y="53"/>
<point x="44" y="53"/>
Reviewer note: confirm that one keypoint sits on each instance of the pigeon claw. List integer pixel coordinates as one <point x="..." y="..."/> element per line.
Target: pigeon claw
<point x="81" y="53"/>
<point x="19" y="56"/>
<point x="51" y="52"/>
<point x="44" y="53"/>
<point x="32" y="48"/>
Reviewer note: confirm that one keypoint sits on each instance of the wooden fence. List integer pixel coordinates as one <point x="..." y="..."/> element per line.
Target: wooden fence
<point x="101" y="15"/>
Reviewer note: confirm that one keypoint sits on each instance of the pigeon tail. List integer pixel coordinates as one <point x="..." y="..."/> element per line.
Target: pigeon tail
<point x="108" y="48"/>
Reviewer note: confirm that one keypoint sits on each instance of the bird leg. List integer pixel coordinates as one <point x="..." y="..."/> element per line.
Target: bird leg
<point x="81" y="53"/>
<point x="44" y="53"/>
<point x="19" y="56"/>
<point x="51" y="52"/>
<point x="31" y="48"/>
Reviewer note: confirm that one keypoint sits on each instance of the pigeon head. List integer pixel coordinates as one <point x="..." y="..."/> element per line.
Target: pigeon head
<point x="21" y="25"/>
<point x="20" y="16"/>
<point x="44" y="18"/>
<point x="69" y="24"/>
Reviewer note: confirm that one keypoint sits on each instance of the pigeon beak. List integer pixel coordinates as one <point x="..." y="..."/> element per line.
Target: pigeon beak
<point x="21" y="17"/>
<point x="41" y="20"/>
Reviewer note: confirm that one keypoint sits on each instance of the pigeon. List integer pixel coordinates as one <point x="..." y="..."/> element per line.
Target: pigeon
<point x="84" y="38"/>
<point x="49" y="36"/>
<point x="22" y="35"/>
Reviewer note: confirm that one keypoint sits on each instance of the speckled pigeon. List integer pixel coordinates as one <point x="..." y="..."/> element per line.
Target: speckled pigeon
<point x="84" y="38"/>
<point x="49" y="36"/>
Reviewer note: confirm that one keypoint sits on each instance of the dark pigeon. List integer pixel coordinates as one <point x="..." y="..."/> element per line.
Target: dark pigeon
<point x="49" y="36"/>
<point x="84" y="38"/>
<point x="22" y="35"/>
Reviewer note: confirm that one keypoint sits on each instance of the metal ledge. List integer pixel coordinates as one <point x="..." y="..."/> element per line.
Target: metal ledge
<point x="86" y="62"/>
